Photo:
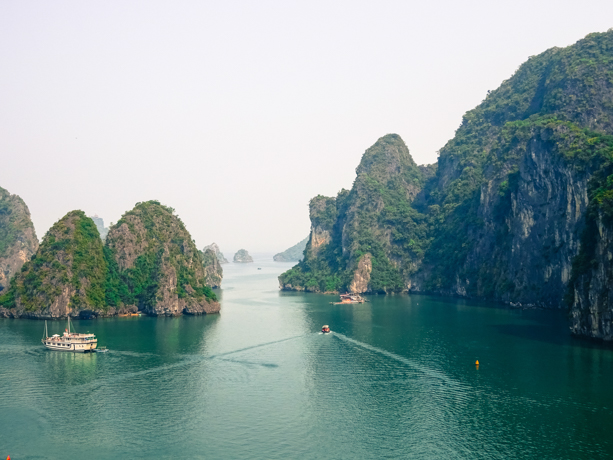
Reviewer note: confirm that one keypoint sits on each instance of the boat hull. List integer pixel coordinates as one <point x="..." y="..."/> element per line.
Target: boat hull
<point x="72" y="347"/>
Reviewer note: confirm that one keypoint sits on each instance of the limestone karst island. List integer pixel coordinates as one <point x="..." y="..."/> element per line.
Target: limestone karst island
<point x="452" y="299"/>
<point x="147" y="263"/>
<point x="518" y="208"/>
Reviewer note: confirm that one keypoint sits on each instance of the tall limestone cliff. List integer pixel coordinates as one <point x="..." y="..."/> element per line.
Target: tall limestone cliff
<point x="517" y="210"/>
<point x="508" y="203"/>
<point x="215" y="248"/>
<point x="66" y="275"/>
<point x="155" y="265"/>
<point x="293" y="254"/>
<point x="590" y="296"/>
<point x="213" y="273"/>
<point x="368" y="239"/>
<point x="18" y="242"/>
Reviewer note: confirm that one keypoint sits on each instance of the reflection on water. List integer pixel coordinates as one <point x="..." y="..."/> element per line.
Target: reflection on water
<point x="395" y="378"/>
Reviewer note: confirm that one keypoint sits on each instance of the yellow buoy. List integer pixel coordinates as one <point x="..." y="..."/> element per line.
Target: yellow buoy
<point x="477" y="363"/>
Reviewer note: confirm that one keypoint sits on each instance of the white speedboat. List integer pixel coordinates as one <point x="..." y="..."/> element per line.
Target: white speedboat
<point x="70" y="341"/>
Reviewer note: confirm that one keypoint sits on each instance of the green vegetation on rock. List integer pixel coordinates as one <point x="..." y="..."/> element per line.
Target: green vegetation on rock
<point x="569" y="88"/>
<point x="154" y="263"/>
<point x="523" y="188"/>
<point x="18" y="240"/>
<point x="376" y="218"/>
<point x="149" y="263"/>
<point x="67" y="272"/>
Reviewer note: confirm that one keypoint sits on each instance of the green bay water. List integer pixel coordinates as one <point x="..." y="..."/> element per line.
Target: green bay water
<point x="395" y="379"/>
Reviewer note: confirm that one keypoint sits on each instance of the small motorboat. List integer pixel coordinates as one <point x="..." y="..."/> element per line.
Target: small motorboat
<point x="325" y="329"/>
<point x="349" y="299"/>
<point x="101" y="350"/>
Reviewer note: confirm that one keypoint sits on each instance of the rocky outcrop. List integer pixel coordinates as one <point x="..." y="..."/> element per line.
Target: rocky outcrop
<point x="18" y="242"/>
<point x="322" y="211"/>
<point x="154" y="264"/>
<point x="293" y="254"/>
<point x="193" y="307"/>
<point x="65" y="276"/>
<point x="361" y="277"/>
<point x="149" y="264"/>
<point x="213" y="273"/>
<point x="215" y="248"/>
<point x="374" y="218"/>
<point x="242" y="257"/>
<point x="529" y="217"/>
<point x="517" y="209"/>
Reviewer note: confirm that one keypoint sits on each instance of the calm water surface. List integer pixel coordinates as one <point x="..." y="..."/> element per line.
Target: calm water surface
<point x="395" y="379"/>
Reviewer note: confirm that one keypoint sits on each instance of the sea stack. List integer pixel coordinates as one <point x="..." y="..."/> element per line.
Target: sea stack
<point x="242" y="256"/>
<point x="215" y="248"/>
<point x="154" y="264"/>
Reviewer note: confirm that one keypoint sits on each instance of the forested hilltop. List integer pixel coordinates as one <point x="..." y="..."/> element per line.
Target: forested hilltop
<point x="148" y="263"/>
<point x="518" y="208"/>
<point x="67" y="272"/>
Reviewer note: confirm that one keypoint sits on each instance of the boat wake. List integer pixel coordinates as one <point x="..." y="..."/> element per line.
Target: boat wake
<point x="192" y="359"/>
<point x="408" y="362"/>
<point x="254" y="346"/>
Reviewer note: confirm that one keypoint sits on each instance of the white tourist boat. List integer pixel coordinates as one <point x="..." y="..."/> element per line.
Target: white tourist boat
<point x="70" y="341"/>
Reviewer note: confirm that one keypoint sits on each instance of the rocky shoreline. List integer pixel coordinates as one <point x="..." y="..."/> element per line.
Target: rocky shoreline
<point x="204" y="308"/>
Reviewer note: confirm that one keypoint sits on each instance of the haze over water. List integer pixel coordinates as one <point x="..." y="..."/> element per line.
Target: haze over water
<point x="395" y="379"/>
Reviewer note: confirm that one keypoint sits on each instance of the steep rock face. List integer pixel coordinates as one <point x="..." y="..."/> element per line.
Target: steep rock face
<point x="510" y="193"/>
<point x="508" y="205"/>
<point x="66" y="275"/>
<point x="374" y="217"/>
<point x="323" y="213"/>
<point x="527" y="220"/>
<point x="516" y="210"/>
<point x="213" y="273"/>
<point x="361" y="277"/>
<point x="154" y="264"/>
<point x="18" y="242"/>
<point x="242" y="256"/>
<point x="293" y="254"/>
<point x="215" y="248"/>
<point x="591" y="296"/>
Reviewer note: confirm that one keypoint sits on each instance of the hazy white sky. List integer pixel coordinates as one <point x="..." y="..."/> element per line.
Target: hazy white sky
<point x="236" y="113"/>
